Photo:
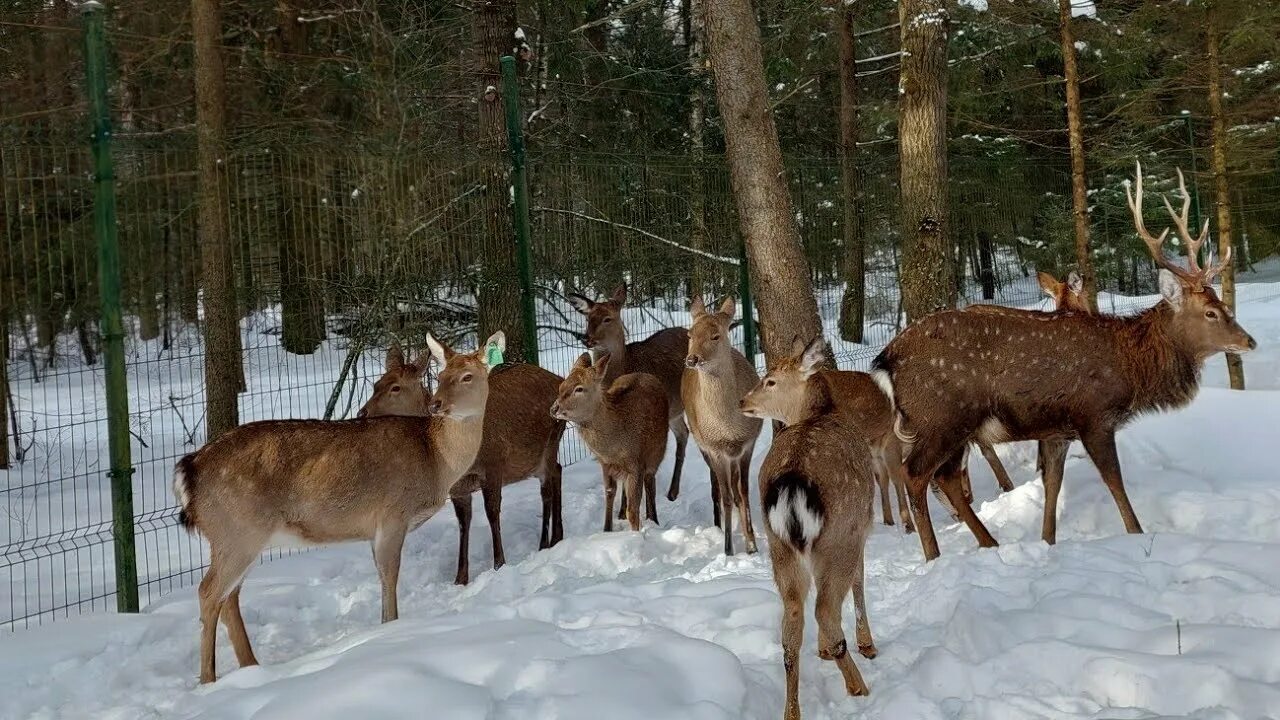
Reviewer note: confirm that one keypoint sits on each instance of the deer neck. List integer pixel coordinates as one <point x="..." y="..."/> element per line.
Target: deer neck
<point x="605" y="428"/>
<point x="1164" y="373"/>
<point x="718" y="387"/>
<point x="817" y="402"/>
<point x="616" y="347"/>
<point x="455" y="442"/>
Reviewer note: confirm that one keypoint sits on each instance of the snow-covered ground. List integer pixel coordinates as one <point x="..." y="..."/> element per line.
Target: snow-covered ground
<point x="1181" y="622"/>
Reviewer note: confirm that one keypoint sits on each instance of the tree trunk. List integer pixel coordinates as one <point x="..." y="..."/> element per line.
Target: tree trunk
<point x="695" y="39"/>
<point x="928" y="280"/>
<point x="779" y="269"/>
<point x="498" y="303"/>
<point x="4" y="377"/>
<point x="987" y="265"/>
<point x="852" y="304"/>
<point x="221" y="327"/>
<point x="1222" y="191"/>
<point x="1075" y="133"/>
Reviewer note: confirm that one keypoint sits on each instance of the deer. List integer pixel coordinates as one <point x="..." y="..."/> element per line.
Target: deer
<point x="308" y="482"/>
<point x="816" y="493"/>
<point x="716" y="377"/>
<point x="661" y="355"/>
<point x="520" y="441"/>
<point x="624" y="423"/>
<point x="956" y="376"/>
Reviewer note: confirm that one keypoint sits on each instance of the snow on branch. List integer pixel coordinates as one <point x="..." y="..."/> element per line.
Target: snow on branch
<point x="644" y="233"/>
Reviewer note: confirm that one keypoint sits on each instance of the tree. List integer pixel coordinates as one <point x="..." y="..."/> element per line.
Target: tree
<point x="854" y="266"/>
<point x="695" y="42"/>
<point x="1222" y="190"/>
<point x="1075" y="135"/>
<point x="222" y="364"/>
<point x="928" y="283"/>
<point x="779" y="269"/>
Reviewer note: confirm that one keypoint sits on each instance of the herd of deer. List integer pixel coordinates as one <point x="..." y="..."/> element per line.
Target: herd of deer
<point x="981" y="375"/>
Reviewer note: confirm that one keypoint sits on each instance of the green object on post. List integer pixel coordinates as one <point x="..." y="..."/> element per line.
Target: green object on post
<point x="117" y="390"/>
<point x="520" y="193"/>
<point x="750" y="344"/>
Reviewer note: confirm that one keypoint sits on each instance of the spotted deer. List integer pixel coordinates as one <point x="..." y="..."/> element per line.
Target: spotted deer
<point x="306" y="482"/>
<point x="716" y="377"/>
<point x="624" y="423"/>
<point x="520" y="441"/>
<point x="817" y="491"/>
<point x="660" y="355"/>
<point x="957" y="375"/>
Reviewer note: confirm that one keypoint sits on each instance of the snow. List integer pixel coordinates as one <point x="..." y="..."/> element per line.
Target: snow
<point x="1183" y="621"/>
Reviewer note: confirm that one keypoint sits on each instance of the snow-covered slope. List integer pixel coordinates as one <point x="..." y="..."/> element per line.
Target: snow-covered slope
<point x="1181" y="622"/>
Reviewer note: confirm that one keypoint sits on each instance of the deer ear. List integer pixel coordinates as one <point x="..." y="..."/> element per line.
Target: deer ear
<point x="439" y="350"/>
<point x="729" y="308"/>
<point x="499" y="338"/>
<point x="601" y="365"/>
<point x="1048" y="283"/>
<point x="797" y="346"/>
<point x="583" y="362"/>
<point x="579" y="302"/>
<point x="814" y="355"/>
<point x="1075" y="283"/>
<point x="697" y="308"/>
<point x="1171" y="288"/>
<point x="619" y="295"/>
<point x="395" y="358"/>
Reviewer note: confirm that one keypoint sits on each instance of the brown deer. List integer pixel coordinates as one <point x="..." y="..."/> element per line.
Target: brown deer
<point x="520" y="441"/>
<point x="959" y="375"/>
<point x="816" y="491"/>
<point x="304" y="482"/>
<point x="661" y="355"/>
<point x="624" y="423"/>
<point x="715" y="379"/>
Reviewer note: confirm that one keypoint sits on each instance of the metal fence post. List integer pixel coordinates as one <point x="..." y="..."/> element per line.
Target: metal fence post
<point x="520" y="193"/>
<point x="104" y="229"/>
<point x="750" y="347"/>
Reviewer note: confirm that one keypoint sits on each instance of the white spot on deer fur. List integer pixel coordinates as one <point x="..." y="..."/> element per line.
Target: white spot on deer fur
<point x="791" y="502"/>
<point x="180" y="488"/>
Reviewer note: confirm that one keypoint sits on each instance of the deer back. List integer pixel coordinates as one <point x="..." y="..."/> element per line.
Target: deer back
<point x="517" y="424"/>
<point x="662" y="356"/>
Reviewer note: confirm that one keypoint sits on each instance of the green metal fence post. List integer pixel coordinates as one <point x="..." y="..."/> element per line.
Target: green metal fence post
<point x="749" y="343"/>
<point x="520" y="191"/>
<point x="104" y="229"/>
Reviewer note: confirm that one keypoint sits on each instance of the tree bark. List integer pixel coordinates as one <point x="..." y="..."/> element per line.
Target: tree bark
<point x="695" y="40"/>
<point x="986" y="265"/>
<point x="498" y="305"/>
<point x="1075" y="134"/>
<point x="4" y="375"/>
<point x="221" y="326"/>
<point x="928" y="279"/>
<point x="852" y="304"/>
<point x="779" y="269"/>
<point x="1222" y="189"/>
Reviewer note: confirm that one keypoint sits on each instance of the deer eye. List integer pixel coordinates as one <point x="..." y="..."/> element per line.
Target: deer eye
<point x="467" y="377"/>
<point x="1211" y="314"/>
<point x="770" y="382"/>
<point x="579" y="390"/>
<point x="716" y="336"/>
<point x="606" y="320"/>
<point x="395" y="388"/>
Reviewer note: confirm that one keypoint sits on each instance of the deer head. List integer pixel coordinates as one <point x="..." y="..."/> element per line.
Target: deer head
<point x="1067" y="295"/>
<point x="781" y="394"/>
<point x="464" y="379"/>
<point x="401" y="389"/>
<point x="604" y="319"/>
<point x="582" y="390"/>
<point x="1201" y="321"/>
<point x="709" y="344"/>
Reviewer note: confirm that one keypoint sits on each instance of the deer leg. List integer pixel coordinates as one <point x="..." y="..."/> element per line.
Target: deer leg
<point x="557" y="508"/>
<point x="792" y="579"/>
<point x="388" y="541"/>
<point x="1053" y="459"/>
<point x="650" y="499"/>
<point x="462" y="509"/>
<point x="882" y="480"/>
<point x="492" y="494"/>
<point x="997" y="467"/>
<point x="235" y="629"/>
<point x="724" y="479"/>
<point x="951" y="486"/>
<point x="1101" y="446"/>
<point x="866" y="645"/>
<point x="893" y="461"/>
<point x="610" y="489"/>
<point x="712" y="468"/>
<point x="681" y="431"/>
<point x="832" y="588"/>
<point x="742" y="482"/>
<point x="225" y="573"/>
<point x="634" y="495"/>
<point x="544" y="492"/>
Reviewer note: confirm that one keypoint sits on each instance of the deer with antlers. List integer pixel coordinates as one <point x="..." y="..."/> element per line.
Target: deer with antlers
<point x="956" y="376"/>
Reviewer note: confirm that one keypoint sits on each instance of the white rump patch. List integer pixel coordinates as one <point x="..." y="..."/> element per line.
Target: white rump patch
<point x="993" y="431"/>
<point x="885" y="383"/>
<point x="792" y="502"/>
<point x="180" y="488"/>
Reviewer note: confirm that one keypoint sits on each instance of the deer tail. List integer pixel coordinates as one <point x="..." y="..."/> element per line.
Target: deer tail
<point x="184" y="484"/>
<point x="794" y="509"/>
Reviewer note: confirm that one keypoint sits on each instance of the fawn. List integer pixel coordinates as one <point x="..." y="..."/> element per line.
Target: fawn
<point x="958" y="375"/>
<point x="715" y="379"/>
<point x="520" y="441"/>
<point x="816" y="491"/>
<point x="303" y="482"/>
<point x="624" y="423"/>
<point x="661" y="355"/>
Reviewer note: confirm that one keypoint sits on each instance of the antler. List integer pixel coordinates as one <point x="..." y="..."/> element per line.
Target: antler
<point x="1196" y="274"/>
<point x="1154" y="244"/>
<point x="1180" y="221"/>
